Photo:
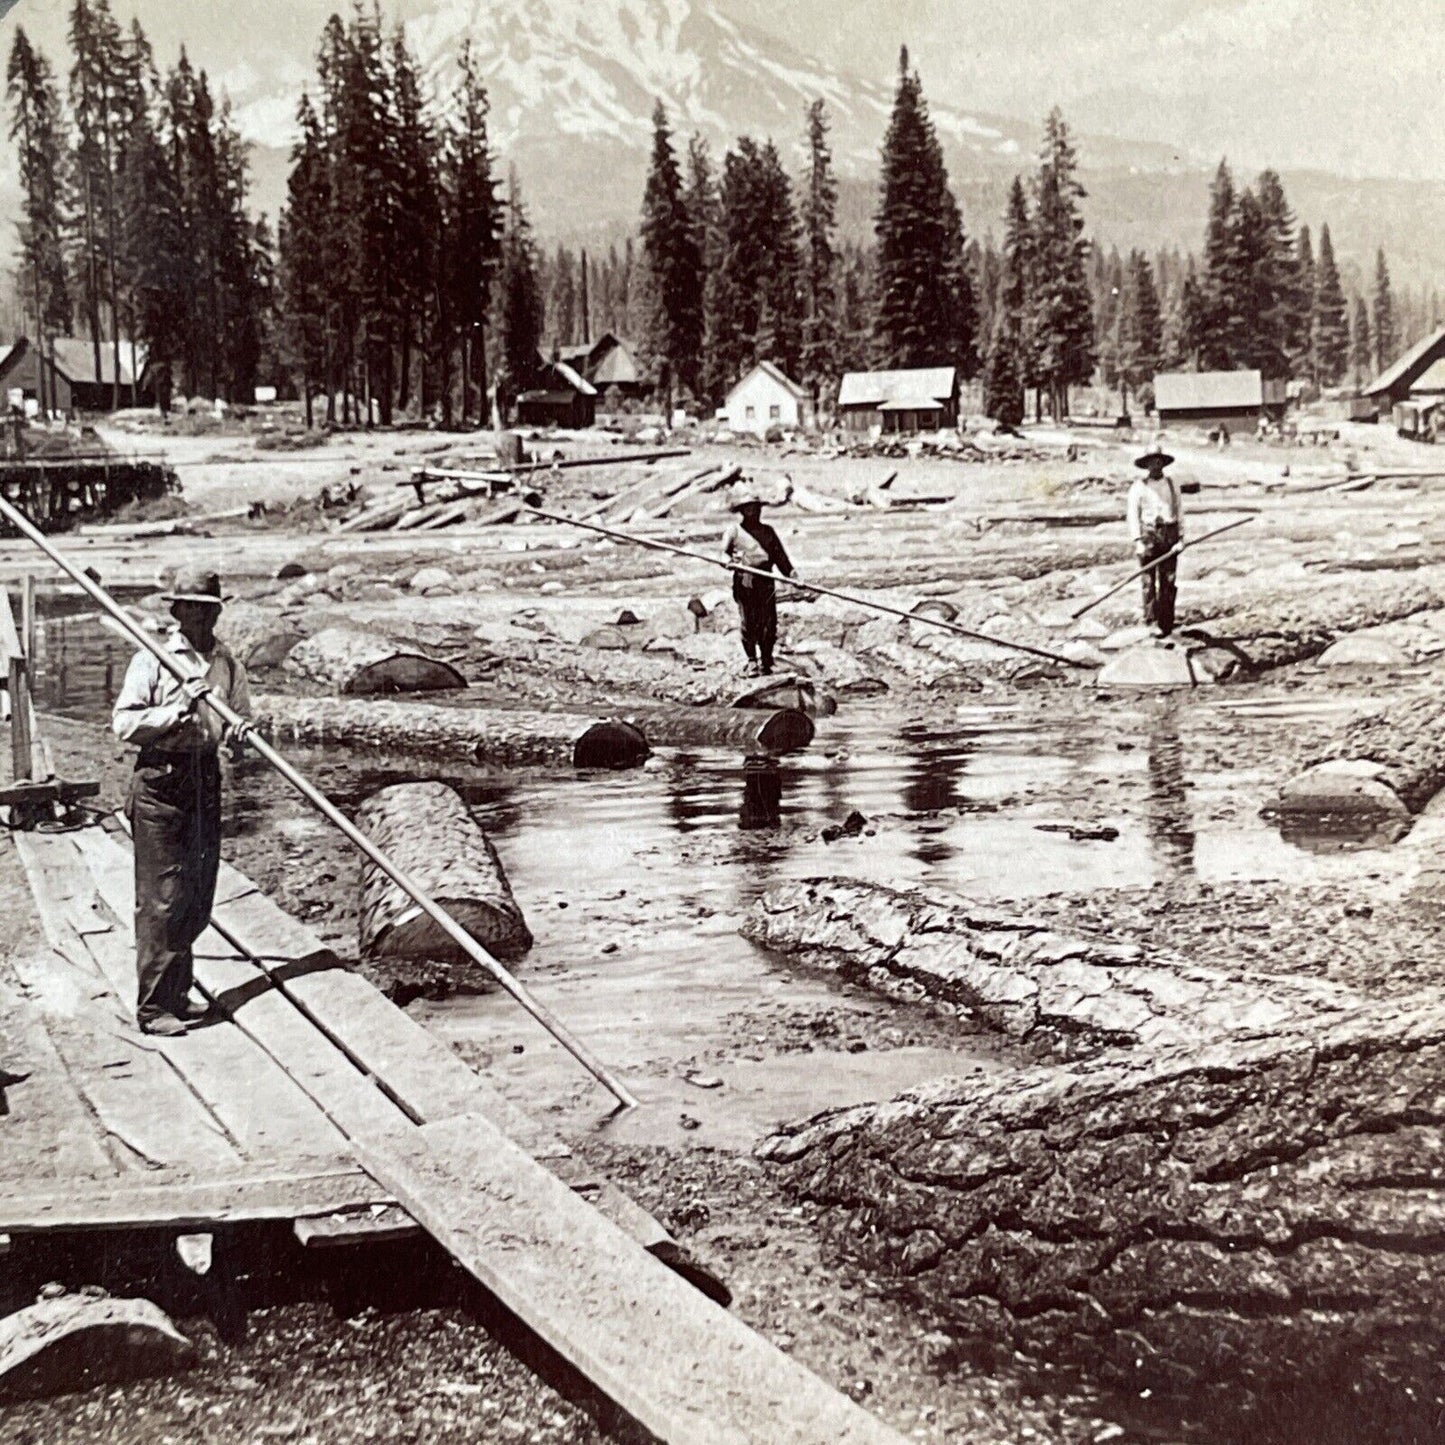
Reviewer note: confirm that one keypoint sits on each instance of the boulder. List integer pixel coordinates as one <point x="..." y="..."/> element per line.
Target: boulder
<point x="1363" y="649"/>
<point x="1149" y="664"/>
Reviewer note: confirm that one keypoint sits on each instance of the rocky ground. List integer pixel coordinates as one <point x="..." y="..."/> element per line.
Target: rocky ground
<point x="1138" y="821"/>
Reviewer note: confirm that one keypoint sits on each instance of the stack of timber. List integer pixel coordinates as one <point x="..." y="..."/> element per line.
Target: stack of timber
<point x="498" y="737"/>
<point x="56" y="494"/>
<point x="428" y="831"/>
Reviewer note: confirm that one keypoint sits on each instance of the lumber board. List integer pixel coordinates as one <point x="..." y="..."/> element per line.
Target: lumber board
<point x="279" y="1085"/>
<point x="416" y="1069"/>
<point x="187" y="1201"/>
<point x="46" y="1132"/>
<point x="677" y="1364"/>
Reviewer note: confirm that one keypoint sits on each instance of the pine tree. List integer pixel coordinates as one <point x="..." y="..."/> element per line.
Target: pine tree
<point x="303" y="279"/>
<point x="1224" y="322"/>
<point x="519" y="303"/>
<point x="1062" y="313"/>
<point x="671" y="336"/>
<point x="819" y="362"/>
<point x="1280" y="306"/>
<point x="1330" y="326"/>
<point x="925" y="312"/>
<point x="1185" y="327"/>
<point x="1302" y="354"/>
<point x="1003" y="382"/>
<point x="1361" y="351"/>
<point x="1142" y="331"/>
<point x="1016" y="285"/>
<point x="1386" y="338"/>
<point x="37" y="128"/>
<point x="474" y="231"/>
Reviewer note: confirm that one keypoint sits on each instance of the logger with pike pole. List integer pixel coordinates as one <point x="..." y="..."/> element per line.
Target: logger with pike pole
<point x="228" y="719"/>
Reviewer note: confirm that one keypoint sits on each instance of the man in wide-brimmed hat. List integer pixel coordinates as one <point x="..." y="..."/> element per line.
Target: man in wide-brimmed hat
<point x="753" y="543"/>
<point x="175" y="794"/>
<point x="1156" y="524"/>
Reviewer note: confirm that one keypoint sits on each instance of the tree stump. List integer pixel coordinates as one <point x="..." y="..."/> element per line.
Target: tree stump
<point x="428" y="831"/>
<point x="349" y="660"/>
<point x="498" y="737"/>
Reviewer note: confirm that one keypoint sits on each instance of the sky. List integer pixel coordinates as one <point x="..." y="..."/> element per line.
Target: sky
<point x="1350" y="86"/>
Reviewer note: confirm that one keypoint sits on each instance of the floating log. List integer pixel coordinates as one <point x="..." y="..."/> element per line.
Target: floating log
<point x="259" y="637"/>
<point x="1257" y="1220"/>
<point x="1379" y="765"/>
<point x="775" y="730"/>
<point x="429" y="832"/>
<point x="500" y="737"/>
<point x="353" y="661"/>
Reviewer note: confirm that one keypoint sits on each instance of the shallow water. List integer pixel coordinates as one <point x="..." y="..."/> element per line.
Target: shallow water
<point x="633" y="883"/>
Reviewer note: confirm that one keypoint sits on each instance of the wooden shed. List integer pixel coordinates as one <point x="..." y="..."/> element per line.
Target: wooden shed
<point x="766" y="397"/>
<point x="561" y="397"/>
<point x="1417" y="372"/>
<point x="925" y="399"/>
<point x="72" y="381"/>
<point x="1214" y="398"/>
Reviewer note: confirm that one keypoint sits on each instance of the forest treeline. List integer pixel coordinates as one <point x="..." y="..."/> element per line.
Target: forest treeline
<point x="404" y="279"/>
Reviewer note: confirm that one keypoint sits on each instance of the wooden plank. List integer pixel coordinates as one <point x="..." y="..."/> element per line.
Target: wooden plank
<point x="186" y="1201"/>
<point x="270" y="1077"/>
<point x="374" y="1225"/>
<point x="46" y="1132"/>
<point x="65" y="897"/>
<point x="676" y="1363"/>
<point x="416" y="1069"/>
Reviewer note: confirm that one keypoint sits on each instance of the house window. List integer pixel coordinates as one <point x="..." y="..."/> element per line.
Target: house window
<point x="775" y="413"/>
<point x="750" y="413"/>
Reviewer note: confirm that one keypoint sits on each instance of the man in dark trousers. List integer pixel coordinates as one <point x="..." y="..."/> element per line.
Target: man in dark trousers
<point x="175" y="795"/>
<point x="1156" y="525"/>
<point x="755" y="544"/>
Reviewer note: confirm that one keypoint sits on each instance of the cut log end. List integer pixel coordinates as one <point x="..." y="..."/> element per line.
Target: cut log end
<point x="613" y="744"/>
<point x="404" y="672"/>
<point x="787" y="731"/>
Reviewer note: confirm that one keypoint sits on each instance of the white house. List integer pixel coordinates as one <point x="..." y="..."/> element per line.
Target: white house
<point x="765" y="397"/>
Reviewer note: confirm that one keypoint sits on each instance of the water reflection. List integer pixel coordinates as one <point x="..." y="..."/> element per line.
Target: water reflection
<point x="762" y="794"/>
<point x="1168" y="816"/>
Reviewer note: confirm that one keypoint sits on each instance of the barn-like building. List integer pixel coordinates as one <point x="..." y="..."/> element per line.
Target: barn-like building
<point x="1235" y="399"/>
<point x="72" y="381"/>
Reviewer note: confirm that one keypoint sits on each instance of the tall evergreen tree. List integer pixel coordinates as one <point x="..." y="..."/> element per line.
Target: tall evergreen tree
<point x="37" y="128"/>
<point x="1223" y="340"/>
<point x="1279" y="308"/>
<point x="1185" y="325"/>
<point x="519" y="303"/>
<point x="925" y="314"/>
<point x="1386" y="336"/>
<point x="474" y="240"/>
<point x="302" y="272"/>
<point x="1330" y="326"/>
<point x="819" y="362"/>
<point x="671" y="339"/>
<point x="1062" y="310"/>
<point x="1142" y="332"/>
<point x="1302" y="354"/>
<point x="1361" y="351"/>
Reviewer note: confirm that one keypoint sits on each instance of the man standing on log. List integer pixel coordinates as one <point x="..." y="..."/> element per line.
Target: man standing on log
<point x="755" y="544"/>
<point x="175" y="795"/>
<point x="1156" y="523"/>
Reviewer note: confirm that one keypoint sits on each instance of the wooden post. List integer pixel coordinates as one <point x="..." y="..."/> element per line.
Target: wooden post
<point x="17" y="683"/>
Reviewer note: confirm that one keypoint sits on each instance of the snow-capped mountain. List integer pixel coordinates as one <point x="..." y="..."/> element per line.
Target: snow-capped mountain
<point x="573" y="84"/>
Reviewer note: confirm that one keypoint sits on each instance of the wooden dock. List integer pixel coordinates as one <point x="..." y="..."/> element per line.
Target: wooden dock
<point x="309" y="1098"/>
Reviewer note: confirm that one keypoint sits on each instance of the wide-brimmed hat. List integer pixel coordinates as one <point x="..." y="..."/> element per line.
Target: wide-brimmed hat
<point x="744" y="495"/>
<point x="1154" y="454"/>
<point x="195" y="584"/>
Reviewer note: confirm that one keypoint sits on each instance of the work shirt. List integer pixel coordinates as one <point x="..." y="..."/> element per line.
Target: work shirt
<point x="1154" y="505"/>
<point x="150" y="708"/>
<point x="761" y="548"/>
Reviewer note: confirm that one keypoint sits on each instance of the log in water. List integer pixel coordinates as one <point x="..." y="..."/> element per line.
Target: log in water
<point x="753" y="730"/>
<point x="429" y="833"/>
<point x="350" y="660"/>
<point x="499" y="737"/>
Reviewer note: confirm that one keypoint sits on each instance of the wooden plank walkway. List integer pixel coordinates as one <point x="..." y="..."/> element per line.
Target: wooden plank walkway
<point x="314" y="1096"/>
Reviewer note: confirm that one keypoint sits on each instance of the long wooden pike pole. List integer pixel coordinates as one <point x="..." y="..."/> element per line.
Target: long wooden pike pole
<point x="331" y="813"/>
<point x="677" y="551"/>
<point x="1174" y="551"/>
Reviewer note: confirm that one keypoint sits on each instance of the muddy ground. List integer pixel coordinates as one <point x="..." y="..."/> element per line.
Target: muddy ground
<point x="1134" y="816"/>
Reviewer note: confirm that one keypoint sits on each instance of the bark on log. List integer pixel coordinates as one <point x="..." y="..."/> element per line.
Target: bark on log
<point x="352" y="661"/>
<point x="1020" y="977"/>
<point x="1383" y="764"/>
<point x="500" y="737"/>
<point x="1247" y="1216"/>
<point x="779" y="730"/>
<point x="258" y="636"/>
<point x="429" y="832"/>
